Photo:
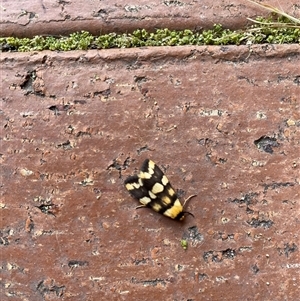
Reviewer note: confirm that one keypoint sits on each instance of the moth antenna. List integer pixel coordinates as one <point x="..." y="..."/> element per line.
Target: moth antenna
<point x="190" y="197"/>
<point x="189" y="213"/>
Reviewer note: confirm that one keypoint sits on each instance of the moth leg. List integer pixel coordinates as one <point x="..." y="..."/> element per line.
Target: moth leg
<point x="141" y="206"/>
<point x="190" y="197"/>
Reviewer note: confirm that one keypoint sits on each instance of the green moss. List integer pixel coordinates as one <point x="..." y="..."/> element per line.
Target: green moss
<point x="262" y="31"/>
<point x="184" y="244"/>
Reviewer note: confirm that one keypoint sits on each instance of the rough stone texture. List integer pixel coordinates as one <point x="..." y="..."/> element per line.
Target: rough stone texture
<point x="28" y="18"/>
<point x="223" y="122"/>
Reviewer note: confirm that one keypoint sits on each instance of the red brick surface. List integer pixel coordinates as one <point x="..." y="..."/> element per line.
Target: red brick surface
<point x="75" y="124"/>
<point x="28" y="18"/>
<point x="222" y="122"/>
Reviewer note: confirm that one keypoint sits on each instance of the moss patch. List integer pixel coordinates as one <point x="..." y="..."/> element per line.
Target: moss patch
<point x="280" y="31"/>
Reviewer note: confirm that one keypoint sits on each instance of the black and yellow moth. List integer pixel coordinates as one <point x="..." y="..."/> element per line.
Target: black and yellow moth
<point x="153" y="189"/>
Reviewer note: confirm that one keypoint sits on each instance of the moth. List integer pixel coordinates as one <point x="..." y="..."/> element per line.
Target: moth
<point x="153" y="189"/>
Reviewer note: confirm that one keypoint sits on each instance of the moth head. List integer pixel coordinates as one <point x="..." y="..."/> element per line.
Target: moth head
<point x="181" y="215"/>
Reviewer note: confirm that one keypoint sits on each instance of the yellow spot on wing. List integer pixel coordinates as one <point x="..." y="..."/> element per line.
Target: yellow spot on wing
<point x="166" y="200"/>
<point x="145" y="200"/>
<point x="164" y="180"/>
<point x="157" y="188"/>
<point x="131" y="186"/>
<point x="152" y="195"/>
<point x="156" y="207"/>
<point x="144" y="175"/>
<point x="151" y="164"/>
<point x="171" y="191"/>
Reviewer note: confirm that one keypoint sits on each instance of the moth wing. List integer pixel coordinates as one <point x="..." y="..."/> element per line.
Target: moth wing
<point x="133" y="185"/>
<point x="158" y="186"/>
<point x="150" y="174"/>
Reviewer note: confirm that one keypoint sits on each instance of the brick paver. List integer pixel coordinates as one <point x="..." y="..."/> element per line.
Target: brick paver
<point x="222" y="122"/>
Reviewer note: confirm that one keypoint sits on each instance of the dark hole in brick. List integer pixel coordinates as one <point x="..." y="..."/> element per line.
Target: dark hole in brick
<point x="246" y="199"/>
<point x="219" y="256"/>
<point x="205" y="142"/>
<point x="105" y="93"/>
<point x="202" y="277"/>
<point x="153" y="282"/>
<point x="180" y="193"/>
<point x="27" y="114"/>
<point x="97" y="190"/>
<point x="77" y="263"/>
<point x="207" y="255"/>
<point x="46" y="290"/>
<point x="83" y="134"/>
<point x="229" y="253"/>
<point x="255" y="269"/>
<point x="141" y="261"/>
<point x="31" y="15"/>
<point x="142" y="149"/>
<point x="192" y="234"/>
<point x="27" y="83"/>
<point x="81" y="102"/>
<point x="59" y="108"/>
<point x="277" y="185"/>
<point x="100" y="13"/>
<point x="290" y="249"/>
<point x="255" y="223"/>
<point x="297" y="80"/>
<point x="140" y="79"/>
<point x="4" y="241"/>
<point x="47" y="208"/>
<point x="119" y="166"/>
<point x="65" y="145"/>
<point x="249" y="211"/>
<point x="116" y="165"/>
<point x="266" y="144"/>
<point x="222" y="160"/>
